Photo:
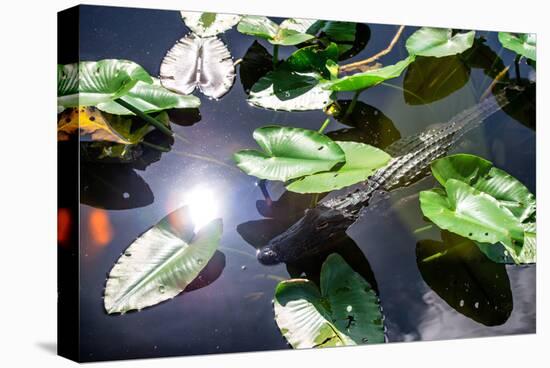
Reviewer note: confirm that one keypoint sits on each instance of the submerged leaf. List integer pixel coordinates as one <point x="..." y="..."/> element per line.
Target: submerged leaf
<point x="464" y="278"/>
<point x="89" y="83"/>
<point x="438" y="42"/>
<point x="160" y="264"/>
<point x="429" y="79"/>
<point x="289" y="153"/>
<point x="344" y="311"/>
<point x="524" y="44"/>
<point x="195" y="62"/>
<point x="361" y="161"/>
<point x="209" y="24"/>
<point x="370" y="78"/>
<point x="150" y="98"/>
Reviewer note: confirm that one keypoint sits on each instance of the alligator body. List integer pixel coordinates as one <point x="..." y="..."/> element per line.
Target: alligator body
<point x="322" y="225"/>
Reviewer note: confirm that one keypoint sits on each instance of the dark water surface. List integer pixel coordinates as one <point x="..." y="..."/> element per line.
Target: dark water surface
<point x="465" y="297"/>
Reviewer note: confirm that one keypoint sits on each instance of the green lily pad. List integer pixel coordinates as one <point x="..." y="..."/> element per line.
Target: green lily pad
<point x="160" y="264"/>
<point x="150" y="98"/>
<point x="287" y="90"/>
<point x="362" y="161"/>
<point x="312" y="59"/>
<point x="438" y="42"/>
<point x="500" y="253"/>
<point x="509" y="192"/>
<point x="471" y="213"/>
<point x="370" y="78"/>
<point x="209" y="24"/>
<point x="524" y="44"/>
<point x="344" y="311"/>
<point x="289" y="153"/>
<point x="289" y="33"/>
<point x="90" y="83"/>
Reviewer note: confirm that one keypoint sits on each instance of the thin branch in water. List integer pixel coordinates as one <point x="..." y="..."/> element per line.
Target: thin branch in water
<point x="360" y="65"/>
<point x="494" y="82"/>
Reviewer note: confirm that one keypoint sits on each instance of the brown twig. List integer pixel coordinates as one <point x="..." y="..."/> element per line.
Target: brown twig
<point x="360" y="65"/>
<point x="494" y="82"/>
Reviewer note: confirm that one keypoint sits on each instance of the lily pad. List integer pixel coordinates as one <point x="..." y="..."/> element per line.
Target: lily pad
<point x="362" y="161"/>
<point x="500" y="253"/>
<point x="209" y="24"/>
<point x="288" y="90"/>
<point x="524" y="44"/>
<point x="289" y="153"/>
<point x="196" y="62"/>
<point x="471" y="213"/>
<point x="313" y="59"/>
<point x="509" y="192"/>
<point x="160" y="264"/>
<point x="370" y="78"/>
<point x="150" y="98"/>
<point x="439" y="42"/>
<point x="344" y="311"/>
<point x="89" y="83"/>
<point x="290" y="32"/>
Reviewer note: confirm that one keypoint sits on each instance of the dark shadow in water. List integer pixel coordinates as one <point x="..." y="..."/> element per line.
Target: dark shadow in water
<point x="369" y="125"/>
<point x="429" y="79"/>
<point x="113" y="187"/>
<point x="210" y="273"/>
<point x="184" y="117"/>
<point x="523" y="104"/>
<point x="331" y="31"/>
<point x="481" y="56"/>
<point x="465" y="278"/>
<point x="256" y="63"/>
<point x="48" y="346"/>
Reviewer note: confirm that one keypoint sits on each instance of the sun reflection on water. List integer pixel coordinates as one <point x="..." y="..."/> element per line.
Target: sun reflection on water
<point x="203" y="205"/>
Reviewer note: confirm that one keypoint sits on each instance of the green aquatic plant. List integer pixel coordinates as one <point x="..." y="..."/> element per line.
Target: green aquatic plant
<point x="290" y="32"/>
<point x="485" y="204"/>
<point x="439" y="42"/>
<point x="523" y="44"/>
<point x="161" y="263"/>
<point x="209" y="24"/>
<point x="343" y="311"/>
<point x="114" y="86"/>
<point x="289" y="153"/>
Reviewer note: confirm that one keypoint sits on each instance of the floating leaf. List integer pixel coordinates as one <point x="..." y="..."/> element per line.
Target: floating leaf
<point x="312" y="59"/>
<point x="471" y="213"/>
<point x="209" y="24"/>
<point x="464" y="278"/>
<point x="150" y="98"/>
<point x="429" y="79"/>
<point x="289" y="153"/>
<point x="360" y="81"/>
<point x="287" y="90"/>
<point x="438" y="42"/>
<point x="160" y="264"/>
<point x="91" y="124"/>
<point x="524" y="44"/>
<point x="361" y="162"/>
<point x="289" y="33"/>
<point x="526" y="254"/>
<point x="89" y="83"/>
<point x="483" y="176"/>
<point x="195" y="62"/>
<point x="345" y="311"/>
<point x="256" y="63"/>
<point x="350" y="37"/>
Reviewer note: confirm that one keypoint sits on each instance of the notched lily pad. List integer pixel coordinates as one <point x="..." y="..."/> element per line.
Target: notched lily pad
<point x="343" y="311"/>
<point x="439" y="42"/>
<point x="161" y="263"/>
<point x="524" y="44"/>
<point x="196" y="62"/>
<point x="289" y="32"/>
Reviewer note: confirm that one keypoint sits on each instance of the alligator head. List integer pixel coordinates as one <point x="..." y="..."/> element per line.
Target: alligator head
<point x="319" y="229"/>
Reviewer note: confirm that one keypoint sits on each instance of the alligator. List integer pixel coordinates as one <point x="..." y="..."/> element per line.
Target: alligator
<point x="327" y="222"/>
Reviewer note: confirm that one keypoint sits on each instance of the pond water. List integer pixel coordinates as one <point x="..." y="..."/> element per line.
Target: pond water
<point x="466" y="296"/>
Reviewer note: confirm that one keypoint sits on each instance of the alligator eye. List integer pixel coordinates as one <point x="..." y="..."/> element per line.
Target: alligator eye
<point x="322" y="225"/>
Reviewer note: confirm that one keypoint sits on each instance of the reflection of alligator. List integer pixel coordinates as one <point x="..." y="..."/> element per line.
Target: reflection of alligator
<point x="322" y="225"/>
